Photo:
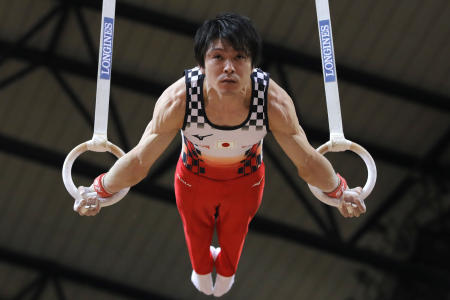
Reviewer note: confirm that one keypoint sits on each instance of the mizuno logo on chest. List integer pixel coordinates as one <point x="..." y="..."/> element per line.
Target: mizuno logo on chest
<point x="201" y="137"/>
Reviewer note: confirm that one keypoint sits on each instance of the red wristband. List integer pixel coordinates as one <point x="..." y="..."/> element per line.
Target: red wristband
<point x="99" y="188"/>
<point x="337" y="193"/>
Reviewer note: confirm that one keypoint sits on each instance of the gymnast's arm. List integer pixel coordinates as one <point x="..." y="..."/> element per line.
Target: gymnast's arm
<point x="130" y="169"/>
<point x="312" y="166"/>
<point x="168" y="117"/>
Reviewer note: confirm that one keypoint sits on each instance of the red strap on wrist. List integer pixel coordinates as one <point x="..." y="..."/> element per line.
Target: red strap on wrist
<point x="337" y="193"/>
<point x="99" y="188"/>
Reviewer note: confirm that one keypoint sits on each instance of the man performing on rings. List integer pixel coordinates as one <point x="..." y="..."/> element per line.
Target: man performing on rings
<point x="224" y="107"/>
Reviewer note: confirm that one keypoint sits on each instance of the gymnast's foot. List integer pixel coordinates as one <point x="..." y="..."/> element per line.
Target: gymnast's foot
<point x="203" y="283"/>
<point x="223" y="285"/>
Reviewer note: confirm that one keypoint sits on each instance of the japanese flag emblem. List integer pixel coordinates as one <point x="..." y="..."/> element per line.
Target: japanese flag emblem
<point x="225" y="145"/>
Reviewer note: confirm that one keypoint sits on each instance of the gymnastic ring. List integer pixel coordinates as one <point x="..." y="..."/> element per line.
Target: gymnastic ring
<point x="371" y="172"/>
<point x="73" y="155"/>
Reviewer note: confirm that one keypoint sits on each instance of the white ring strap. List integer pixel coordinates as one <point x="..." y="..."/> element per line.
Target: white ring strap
<point x="329" y="71"/>
<point x="337" y="141"/>
<point x="104" y="72"/>
<point x="99" y="142"/>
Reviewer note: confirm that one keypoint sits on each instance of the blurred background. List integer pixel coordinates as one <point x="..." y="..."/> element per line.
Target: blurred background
<point x="394" y="79"/>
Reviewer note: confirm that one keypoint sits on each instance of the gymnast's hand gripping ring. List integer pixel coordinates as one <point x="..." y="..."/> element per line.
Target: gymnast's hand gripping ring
<point x="91" y="145"/>
<point x="330" y="146"/>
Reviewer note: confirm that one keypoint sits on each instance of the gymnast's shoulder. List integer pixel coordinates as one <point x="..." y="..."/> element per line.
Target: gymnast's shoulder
<point x="280" y="108"/>
<point x="171" y="105"/>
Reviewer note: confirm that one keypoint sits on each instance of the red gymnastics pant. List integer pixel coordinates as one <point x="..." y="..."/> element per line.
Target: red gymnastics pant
<point x="235" y="201"/>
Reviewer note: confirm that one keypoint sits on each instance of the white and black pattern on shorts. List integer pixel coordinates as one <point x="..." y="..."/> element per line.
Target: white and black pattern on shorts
<point x="195" y="111"/>
<point x="258" y="117"/>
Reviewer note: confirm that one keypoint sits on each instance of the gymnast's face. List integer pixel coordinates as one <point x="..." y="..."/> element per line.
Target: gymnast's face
<point x="227" y="71"/>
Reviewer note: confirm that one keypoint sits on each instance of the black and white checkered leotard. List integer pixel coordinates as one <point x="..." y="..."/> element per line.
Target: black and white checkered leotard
<point x="209" y="149"/>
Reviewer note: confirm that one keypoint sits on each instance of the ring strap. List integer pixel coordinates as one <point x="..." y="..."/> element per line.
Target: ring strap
<point x="104" y="71"/>
<point x="329" y="73"/>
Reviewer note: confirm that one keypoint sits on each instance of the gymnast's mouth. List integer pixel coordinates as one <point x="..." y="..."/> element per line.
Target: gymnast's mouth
<point x="228" y="80"/>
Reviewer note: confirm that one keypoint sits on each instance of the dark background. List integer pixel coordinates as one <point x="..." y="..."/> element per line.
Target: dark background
<point x="393" y="72"/>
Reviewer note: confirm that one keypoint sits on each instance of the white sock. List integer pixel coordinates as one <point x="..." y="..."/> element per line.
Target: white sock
<point x="203" y="283"/>
<point x="214" y="251"/>
<point x="223" y="285"/>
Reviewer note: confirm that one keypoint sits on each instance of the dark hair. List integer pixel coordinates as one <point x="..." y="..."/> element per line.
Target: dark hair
<point x="236" y="29"/>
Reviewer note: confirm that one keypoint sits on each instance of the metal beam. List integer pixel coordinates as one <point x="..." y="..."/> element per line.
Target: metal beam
<point x="408" y="270"/>
<point x="430" y="160"/>
<point x="58" y="289"/>
<point x="83" y="69"/>
<point x="280" y="54"/>
<point x="7" y="52"/>
<point x="5" y="82"/>
<point x="154" y="89"/>
<point x="28" y="288"/>
<point x="57" y="32"/>
<point x="75" y="100"/>
<point x="40" y="289"/>
<point x="58" y="270"/>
